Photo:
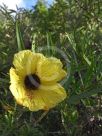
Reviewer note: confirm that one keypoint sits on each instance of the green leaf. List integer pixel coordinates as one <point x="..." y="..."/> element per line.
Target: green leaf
<point x="87" y="60"/>
<point x="76" y="98"/>
<point x="48" y="45"/>
<point x="19" y="38"/>
<point x="33" y="43"/>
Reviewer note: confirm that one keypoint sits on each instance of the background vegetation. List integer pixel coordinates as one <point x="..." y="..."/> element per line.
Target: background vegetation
<point x="76" y="28"/>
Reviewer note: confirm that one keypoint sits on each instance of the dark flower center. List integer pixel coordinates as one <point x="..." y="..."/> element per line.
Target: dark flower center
<point x="32" y="81"/>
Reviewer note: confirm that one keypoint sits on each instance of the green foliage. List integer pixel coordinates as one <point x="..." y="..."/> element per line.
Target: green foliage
<point x="75" y="27"/>
<point x="19" y="38"/>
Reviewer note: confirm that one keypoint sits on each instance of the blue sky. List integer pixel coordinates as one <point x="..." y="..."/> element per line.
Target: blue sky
<point x="21" y="3"/>
<point x="30" y="3"/>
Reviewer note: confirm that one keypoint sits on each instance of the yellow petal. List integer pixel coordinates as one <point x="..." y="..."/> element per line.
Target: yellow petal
<point x="34" y="103"/>
<point x="25" y="62"/>
<point x="32" y="100"/>
<point x="16" y="86"/>
<point x="17" y="91"/>
<point x="52" y="95"/>
<point x="39" y="99"/>
<point x="45" y="99"/>
<point x="14" y="78"/>
<point x="50" y="70"/>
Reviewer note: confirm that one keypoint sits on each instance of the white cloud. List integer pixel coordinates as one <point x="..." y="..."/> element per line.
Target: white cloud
<point x="12" y="3"/>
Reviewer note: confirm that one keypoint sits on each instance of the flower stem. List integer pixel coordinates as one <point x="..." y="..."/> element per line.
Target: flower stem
<point x="41" y="117"/>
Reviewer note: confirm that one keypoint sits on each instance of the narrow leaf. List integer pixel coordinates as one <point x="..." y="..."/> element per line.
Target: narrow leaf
<point x="76" y="98"/>
<point x="19" y="38"/>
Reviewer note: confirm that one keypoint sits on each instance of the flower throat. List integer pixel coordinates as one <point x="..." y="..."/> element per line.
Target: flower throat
<point x="32" y="82"/>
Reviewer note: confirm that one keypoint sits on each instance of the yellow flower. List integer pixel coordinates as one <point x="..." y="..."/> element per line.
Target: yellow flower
<point x="34" y="80"/>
